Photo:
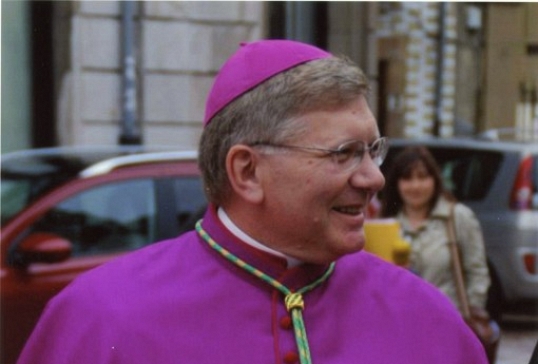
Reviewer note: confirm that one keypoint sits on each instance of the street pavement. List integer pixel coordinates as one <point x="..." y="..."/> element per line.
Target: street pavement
<point x="519" y="336"/>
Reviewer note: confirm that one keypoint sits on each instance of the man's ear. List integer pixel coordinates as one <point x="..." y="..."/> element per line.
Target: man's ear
<point x="242" y="166"/>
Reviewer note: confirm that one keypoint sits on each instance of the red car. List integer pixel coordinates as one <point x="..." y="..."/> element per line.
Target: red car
<point x="67" y="210"/>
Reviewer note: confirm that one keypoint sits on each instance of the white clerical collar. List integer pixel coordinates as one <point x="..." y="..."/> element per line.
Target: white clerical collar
<point x="292" y="262"/>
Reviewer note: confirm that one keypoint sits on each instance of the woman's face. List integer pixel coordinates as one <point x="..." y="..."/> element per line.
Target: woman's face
<point x="417" y="189"/>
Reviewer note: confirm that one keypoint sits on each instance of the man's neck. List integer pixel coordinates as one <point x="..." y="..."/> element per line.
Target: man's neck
<point x="235" y="230"/>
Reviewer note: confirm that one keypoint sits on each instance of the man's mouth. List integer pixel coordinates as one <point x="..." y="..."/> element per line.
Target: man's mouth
<point x="349" y="210"/>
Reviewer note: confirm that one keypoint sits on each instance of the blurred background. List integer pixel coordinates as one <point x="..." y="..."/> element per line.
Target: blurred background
<point x="108" y="73"/>
<point x="131" y="72"/>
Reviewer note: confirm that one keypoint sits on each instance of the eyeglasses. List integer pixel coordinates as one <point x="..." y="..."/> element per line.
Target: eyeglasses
<point x="348" y="155"/>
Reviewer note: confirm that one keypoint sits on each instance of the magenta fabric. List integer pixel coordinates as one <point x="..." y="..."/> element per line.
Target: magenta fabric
<point x="254" y="63"/>
<point x="178" y="301"/>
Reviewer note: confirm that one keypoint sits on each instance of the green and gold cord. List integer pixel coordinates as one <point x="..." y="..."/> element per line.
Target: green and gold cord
<point x="293" y="300"/>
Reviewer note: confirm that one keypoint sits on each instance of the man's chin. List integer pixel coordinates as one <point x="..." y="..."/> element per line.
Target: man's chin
<point x="351" y="244"/>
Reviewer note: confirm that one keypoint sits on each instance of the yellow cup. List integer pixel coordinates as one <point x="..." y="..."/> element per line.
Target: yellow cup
<point x="383" y="239"/>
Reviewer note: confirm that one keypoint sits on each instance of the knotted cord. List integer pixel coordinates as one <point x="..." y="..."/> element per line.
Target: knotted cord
<point x="293" y="300"/>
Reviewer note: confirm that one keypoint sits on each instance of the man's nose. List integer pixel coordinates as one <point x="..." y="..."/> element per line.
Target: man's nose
<point x="368" y="175"/>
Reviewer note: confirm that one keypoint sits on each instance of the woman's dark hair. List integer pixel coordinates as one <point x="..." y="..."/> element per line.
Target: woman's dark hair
<point x="401" y="167"/>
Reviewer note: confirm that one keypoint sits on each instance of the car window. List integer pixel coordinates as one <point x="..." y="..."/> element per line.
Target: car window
<point x="14" y="197"/>
<point x="108" y="218"/>
<point x="467" y="174"/>
<point x="190" y="202"/>
<point x="29" y="177"/>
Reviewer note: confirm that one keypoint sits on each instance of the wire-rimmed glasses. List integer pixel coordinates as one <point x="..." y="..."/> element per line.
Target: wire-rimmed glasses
<point x="348" y="155"/>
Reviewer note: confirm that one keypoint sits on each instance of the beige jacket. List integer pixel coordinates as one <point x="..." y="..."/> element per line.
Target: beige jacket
<point x="430" y="255"/>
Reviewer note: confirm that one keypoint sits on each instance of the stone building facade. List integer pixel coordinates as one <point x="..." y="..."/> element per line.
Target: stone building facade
<point x="412" y="37"/>
<point x="438" y="69"/>
<point x="181" y="44"/>
<point x="178" y="48"/>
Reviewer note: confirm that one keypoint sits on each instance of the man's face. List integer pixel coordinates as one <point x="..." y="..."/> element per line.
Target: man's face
<point x="315" y="208"/>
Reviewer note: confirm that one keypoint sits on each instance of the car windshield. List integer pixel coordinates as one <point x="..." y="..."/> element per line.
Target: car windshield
<point x="26" y="179"/>
<point x="15" y="194"/>
<point x="27" y="175"/>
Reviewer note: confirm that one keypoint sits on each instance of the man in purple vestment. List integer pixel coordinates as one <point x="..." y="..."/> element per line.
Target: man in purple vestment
<point x="275" y="271"/>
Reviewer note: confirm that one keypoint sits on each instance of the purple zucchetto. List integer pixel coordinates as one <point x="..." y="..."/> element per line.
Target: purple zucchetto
<point x="253" y="64"/>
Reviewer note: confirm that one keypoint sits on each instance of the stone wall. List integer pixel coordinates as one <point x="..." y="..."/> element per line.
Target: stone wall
<point x="180" y="45"/>
<point x="416" y="27"/>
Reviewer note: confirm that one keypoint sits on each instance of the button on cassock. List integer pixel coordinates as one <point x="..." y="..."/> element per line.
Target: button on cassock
<point x="291" y="357"/>
<point x="286" y="323"/>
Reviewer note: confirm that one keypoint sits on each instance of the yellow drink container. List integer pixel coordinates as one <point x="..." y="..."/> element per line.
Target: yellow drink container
<point x="383" y="238"/>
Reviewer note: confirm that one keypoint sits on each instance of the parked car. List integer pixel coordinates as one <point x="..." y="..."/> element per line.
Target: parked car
<point x="67" y="210"/>
<point x="498" y="180"/>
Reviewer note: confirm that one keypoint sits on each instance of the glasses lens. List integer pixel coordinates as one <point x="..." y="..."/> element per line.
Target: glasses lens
<point x="351" y="154"/>
<point x="378" y="150"/>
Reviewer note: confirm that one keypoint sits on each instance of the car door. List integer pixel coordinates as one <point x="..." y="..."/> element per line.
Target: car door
<point x="101" y="217"/>
<point x="100" y="222"/>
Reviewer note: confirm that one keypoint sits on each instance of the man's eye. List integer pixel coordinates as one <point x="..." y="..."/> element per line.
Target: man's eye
<point x="344" y="154"/>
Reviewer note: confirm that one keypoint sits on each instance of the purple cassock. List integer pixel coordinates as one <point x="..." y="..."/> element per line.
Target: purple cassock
<point x="180" y="301"/>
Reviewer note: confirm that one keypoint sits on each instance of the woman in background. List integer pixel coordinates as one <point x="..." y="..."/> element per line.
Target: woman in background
<point x="415" y="196"/>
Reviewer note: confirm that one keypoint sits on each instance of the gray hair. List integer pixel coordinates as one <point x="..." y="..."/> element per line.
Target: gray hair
<point x="266" y="113"/>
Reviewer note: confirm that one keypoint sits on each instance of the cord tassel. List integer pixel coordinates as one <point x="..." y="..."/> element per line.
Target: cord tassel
<point x="293" y="300"/>
<point x="295" y="306"/>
